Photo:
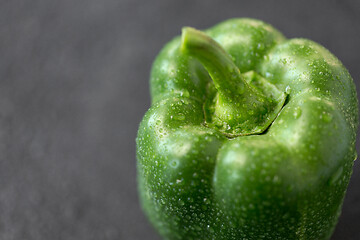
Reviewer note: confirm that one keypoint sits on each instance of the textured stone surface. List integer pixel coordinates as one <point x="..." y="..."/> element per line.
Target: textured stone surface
<point x="74" y="86"/>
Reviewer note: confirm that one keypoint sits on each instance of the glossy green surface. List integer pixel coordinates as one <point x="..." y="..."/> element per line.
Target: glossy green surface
<point x="286" y="182"/>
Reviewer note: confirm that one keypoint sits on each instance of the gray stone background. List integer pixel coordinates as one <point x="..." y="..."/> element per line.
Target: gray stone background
<point x="74" y="87"/>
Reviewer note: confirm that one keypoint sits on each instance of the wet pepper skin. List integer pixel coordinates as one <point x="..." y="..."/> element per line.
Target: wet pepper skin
<point x="209" y="173"/>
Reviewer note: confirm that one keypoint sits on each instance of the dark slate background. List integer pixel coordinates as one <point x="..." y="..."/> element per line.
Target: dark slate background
<point x="74" y="87"/>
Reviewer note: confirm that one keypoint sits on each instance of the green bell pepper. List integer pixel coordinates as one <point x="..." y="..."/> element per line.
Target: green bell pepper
<point x="249" y="136"/>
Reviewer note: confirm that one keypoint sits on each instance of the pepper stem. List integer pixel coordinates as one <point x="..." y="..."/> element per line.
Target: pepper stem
<point x="223" y="71"/>
<point x="238" y="107"/>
